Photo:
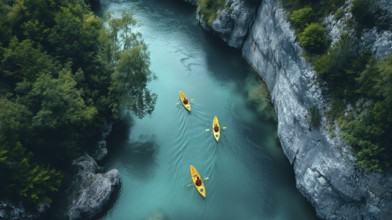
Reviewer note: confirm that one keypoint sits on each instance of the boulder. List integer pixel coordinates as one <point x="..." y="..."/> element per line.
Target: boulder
<point x="90" y="191"/>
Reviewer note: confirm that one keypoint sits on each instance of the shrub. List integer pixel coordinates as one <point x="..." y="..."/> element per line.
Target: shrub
<point x="208" y="9"/>
<point x="331" y="66"/>
<point x="314" y="38"/>
<point x="301" y="18"/>
<point x="364" y="12"/>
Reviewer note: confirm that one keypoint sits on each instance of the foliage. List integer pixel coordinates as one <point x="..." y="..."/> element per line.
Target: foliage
<point x="131" y="62"/>
<point x="369" y="14"/>
<point x="321" y="8"/>
<point x="301" y="18"/>
<point x="19" y="177"/>
<point x="208" y="9"/>
<point x="314" y="38"/>
<point x="13" y="118"/>
<point x="358" y="86"/>
<point x="331" y="66"/>
<point x="63" y="73"/>
<point x="340" y="66"/>
<point x="364" y="12"/>
<point x="357" y="79"/>
<point x="370" y="132"/>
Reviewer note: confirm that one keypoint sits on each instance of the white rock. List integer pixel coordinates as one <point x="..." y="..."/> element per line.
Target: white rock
<point x="90" y="191"/>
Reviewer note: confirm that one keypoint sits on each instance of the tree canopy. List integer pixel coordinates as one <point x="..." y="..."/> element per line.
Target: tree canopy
<point x="63" y="74"/>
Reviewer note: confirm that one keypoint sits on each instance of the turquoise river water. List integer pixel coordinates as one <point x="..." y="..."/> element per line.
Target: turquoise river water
<point x="249" y="178"/>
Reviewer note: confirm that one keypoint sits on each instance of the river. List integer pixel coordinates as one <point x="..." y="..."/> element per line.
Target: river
<point x="248" y="174"/>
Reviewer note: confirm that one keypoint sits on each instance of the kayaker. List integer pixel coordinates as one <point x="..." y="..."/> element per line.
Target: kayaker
<point x="198" y="181"/>
<point x="216" y="128"/>
<point x="185" y="101"/>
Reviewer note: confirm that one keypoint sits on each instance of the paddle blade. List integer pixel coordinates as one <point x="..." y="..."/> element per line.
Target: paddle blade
<point x="189" y="185"/>
<point x="207" y="129"/>
<point x="177" y="103"/>
<point x="206" y="178"/>
<point x="224" y="127"/>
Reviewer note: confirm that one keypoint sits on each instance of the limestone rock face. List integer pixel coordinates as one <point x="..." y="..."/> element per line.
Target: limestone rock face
<point x="90" y="191"/>
<point x="233" y="22"/>
<point x="324" y="165"/>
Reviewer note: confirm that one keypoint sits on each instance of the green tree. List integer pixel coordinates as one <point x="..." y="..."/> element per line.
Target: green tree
<point x="14" y="118"/>
<point x="19" y="177"/>
<point x="60" y="102"/>
<point x="314" y="38"/>
<point x="331" y="66"/>
<point x="301" y="18"/>
<point x="5" y="27"/>
<point x="63" y="73"/>
<point x="74" y="36"/>
<point x="131" y="62"/>
<point x="20" y="64"/>
<point x="370" y="130"/>
<point x="364" y="12"/>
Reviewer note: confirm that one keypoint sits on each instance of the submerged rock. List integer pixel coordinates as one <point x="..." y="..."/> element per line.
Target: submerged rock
<point x="90" y="192"/>
<point x="157" y="215"/>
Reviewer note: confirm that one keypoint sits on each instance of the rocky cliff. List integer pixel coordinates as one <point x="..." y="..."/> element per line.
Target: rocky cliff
<point x="324" y="165"/>
<point x="233" y="22"/>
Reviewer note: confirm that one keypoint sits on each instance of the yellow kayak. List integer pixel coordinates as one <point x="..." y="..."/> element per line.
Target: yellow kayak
<point x="194" y="174"/>
<point x="215" y="123"/>
<point x="185" y="101"/>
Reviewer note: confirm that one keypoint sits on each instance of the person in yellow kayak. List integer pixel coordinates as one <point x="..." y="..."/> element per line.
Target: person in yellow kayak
<point x="216" y="128"/>
<point x="185" y="101"/>
<point x="198" y="182"/>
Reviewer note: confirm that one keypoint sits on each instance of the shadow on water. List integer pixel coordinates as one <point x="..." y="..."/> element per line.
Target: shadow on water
<point x="138" y="158"/>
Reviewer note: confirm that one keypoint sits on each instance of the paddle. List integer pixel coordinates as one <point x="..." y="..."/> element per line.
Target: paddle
<point x="191" y="184"/>
<point x="224" y="127"/>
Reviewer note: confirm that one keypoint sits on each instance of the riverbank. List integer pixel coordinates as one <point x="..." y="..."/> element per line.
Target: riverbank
<point x="324" y="165"/>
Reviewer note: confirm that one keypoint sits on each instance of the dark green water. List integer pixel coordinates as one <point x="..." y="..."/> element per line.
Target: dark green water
<point x="249" y="176"/>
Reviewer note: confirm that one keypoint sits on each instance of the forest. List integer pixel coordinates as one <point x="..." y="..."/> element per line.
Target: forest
<point x="64" y="73"/>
